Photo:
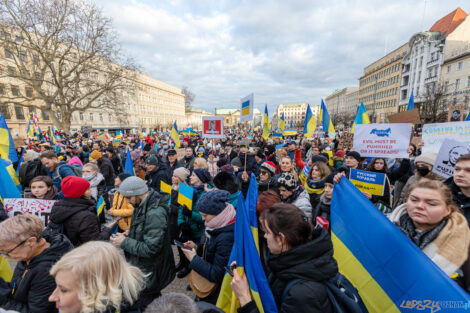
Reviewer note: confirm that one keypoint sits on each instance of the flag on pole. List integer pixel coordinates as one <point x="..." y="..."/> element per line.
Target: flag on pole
<point x="8" y="181"/>
<point x="326" y="121"/>
<point x="118" y="135"/>
<point x="266" y="126"/>
<point x="7" y="146"/>
<point x="164" y="187"/>
<point x="129" y="165"/>
<point x="245" y="252"/>
<point x="411" y="103"/>
<point x="310" y="124"/>
<point x="51" y="134"/>
<point x="468" y="117"/>
<point x="282" y="124"/>
<point x="361" y="117"/>
<point x="185" y="195"/>
<point x="175" y="136"/>
<point x="246" y="108"/>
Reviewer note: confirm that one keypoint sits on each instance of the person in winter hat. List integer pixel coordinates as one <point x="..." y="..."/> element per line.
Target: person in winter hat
<point x="292" y="192"/>
<point x="211" y="255"/>
<point x="266" y="179"/>
<point x="156" y="173"/>
<point x="121" y="208"/>
<point x="76" y="213"/>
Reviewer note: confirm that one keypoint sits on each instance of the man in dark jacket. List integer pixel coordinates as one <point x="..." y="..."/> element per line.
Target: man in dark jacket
<point x="188" y="159"/>
<point x="105" y="166"/>
<point x="250" y="159"/>
<point x="147" y="244"/>
<point x="156" y="172"/>
<point x="36" y="251"/>
<point x="57" y="170"/>
<point x="173" y="162"/>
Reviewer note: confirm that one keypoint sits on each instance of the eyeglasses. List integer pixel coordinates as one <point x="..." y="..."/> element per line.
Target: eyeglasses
<point x="11" y="250"/>
<point x="263" y="172"/>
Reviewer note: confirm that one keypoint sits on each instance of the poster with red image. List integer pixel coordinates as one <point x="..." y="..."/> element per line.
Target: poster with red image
<point x="212" y="127"/>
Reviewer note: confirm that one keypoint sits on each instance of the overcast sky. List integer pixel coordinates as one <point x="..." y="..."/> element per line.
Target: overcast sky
<point x="283" y="51"/>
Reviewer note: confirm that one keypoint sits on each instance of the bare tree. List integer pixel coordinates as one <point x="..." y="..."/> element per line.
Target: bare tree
<point x="189" y="96"/>
<point x="434" y="107"/>
<point x="64" y="54"/>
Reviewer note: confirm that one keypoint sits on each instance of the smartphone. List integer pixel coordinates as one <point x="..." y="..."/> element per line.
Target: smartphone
<point x="229" y="270"/>
<point x="181" y="245"/>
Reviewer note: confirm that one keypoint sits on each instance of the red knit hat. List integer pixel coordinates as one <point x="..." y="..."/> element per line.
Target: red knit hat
<point x="74" y="187"/>
<point x="340" y="153"/>
<point x="269" y="166"/>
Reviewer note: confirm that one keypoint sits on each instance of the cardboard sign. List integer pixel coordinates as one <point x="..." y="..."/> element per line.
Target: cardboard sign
<point x="434" y="134"/>
<point x="370" y="182"/>
<point x="41" y="208"/>
<point x="411" y="116"/>
<point x="382" y="140"/>
<point x="456" y="113"/>
<point x="212" y="127"/>
<point x="448" y="155"/>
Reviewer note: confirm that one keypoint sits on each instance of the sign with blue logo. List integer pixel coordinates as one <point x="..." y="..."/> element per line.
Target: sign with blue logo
<point x="382" y="140"/>
<point x="370" y="182"/>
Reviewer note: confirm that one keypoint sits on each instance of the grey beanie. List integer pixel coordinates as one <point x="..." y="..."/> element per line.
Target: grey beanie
<point x="133" y="186"/>
<point x="428" y="158"/>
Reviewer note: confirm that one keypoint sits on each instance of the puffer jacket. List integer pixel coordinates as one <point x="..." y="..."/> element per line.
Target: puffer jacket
<point x="148" y="246"/>
<point x="61" y="171"/>
<point x="312" y="263"/>
<point x="32" y="284"/>
<point x="217" y="253"/>
<point x="155" y="177"/>
<point x="79" y="220"/>
<point x="301" y="199"/>
<point x="121" y="208"/>
<point x="107" y="170"/>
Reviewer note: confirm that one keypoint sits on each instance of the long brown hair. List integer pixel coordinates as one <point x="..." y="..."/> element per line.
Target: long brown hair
<point x="322" y="167"/>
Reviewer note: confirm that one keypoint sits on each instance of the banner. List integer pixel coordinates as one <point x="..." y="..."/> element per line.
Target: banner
<point x="410" y="116"/>
<point x="435" y="134"/>
<point x="41" y="208"/>
<point x="246" y="108"/>
<point x="212" y="127"/>
<point x="448" y="155"/>
<point x="382" y="140"/>
<point x="370" y="182"/>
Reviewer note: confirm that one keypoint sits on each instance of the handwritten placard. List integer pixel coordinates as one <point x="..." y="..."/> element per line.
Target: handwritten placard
<point x="41" y="208"/>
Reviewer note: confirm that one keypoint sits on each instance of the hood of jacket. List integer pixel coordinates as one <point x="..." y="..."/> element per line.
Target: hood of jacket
<point x="154" y="199"/>
<point x="59" y="246"/>
<point x="67" y="207"/>
<point x="312" y="260"/>
<point x="226" y="181"/>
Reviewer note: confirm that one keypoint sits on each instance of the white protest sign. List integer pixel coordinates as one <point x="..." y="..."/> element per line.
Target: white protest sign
<point x="450" y="151"/>
<point x="434" y="134"/>
<point x="212" y="127"/>
<point x="382" y="140"/>
<point x="246" y="108"/>
<point x="41" y="208"/>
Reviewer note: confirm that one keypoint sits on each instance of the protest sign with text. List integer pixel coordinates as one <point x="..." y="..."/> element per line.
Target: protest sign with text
<point x="435" y="134"/>
<point x="382" y="140"/>
<point x="370" y="182"/>
<point x="448" y="155"/>
<point x="41" y="208"/>
<point x="212" y="127"/>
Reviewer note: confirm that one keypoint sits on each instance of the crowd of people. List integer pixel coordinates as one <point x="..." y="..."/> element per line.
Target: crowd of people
<point x="75" y="264"/>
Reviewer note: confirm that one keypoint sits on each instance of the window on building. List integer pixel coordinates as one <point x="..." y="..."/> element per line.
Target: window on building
<point x="35" y="59"/>
<point x="81" y="116"/>
<point x="18" y="39"/>
<point x="23" y="56"/>
<point x="448" y="69"/>
<point x="460" y="65"/>
<point x="2" y="89"/>
<point x="454" y="101"/>
<point x="11" y="70"/>
<point x="468" y="81"/>
<point x="8" y="54"/>
<point x="101" y="117"/>
<point x="19" y="112"/>
<point x="91" y="116"/>
<point x="457" y="84"/>
<point x="446" y="86"/>
<point x="28" y="92"/>
<point x="44" y="115"/>
<point x="15" y="90"/>
<point x="4" y="110"/>
<point x="37" y="75"/>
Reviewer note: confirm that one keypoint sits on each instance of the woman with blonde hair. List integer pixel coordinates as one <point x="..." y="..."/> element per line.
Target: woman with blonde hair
<point x="95" y="278"/>
<point x="286" y="166"/>
<point x="200" y="163"/>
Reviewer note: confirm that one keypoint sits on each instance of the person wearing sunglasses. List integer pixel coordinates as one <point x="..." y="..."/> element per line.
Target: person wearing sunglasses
<point x="22" y="239"/>
<point x="266" y="179"/>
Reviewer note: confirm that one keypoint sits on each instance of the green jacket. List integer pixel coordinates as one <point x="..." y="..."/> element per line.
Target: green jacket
<point x="148" y="245"/>
<point x="195" y="222"/>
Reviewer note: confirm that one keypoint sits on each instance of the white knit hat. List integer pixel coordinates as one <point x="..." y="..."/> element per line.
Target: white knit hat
<point x="428" y="158"/>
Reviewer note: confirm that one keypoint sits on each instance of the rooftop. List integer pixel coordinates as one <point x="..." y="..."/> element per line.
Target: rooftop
<point x="448" y="23"/>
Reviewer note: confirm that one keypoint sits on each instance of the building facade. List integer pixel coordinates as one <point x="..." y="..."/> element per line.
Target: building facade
<point x="342" y="101"/>
<point x="379" y="87"/>
<point x="193" y="117"/>
<point x="232" y="117"/>
<point x="421" y="67"/>
<point x="295" y="113"/>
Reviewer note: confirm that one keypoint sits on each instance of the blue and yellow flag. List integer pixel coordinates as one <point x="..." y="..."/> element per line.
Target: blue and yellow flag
<point x="390" y="272"/>
<point x="118" y="135"/>
<point x="266" y="126"/>
<point x="468" y="117"/>
<point x="245" y="253"/>
<point x="5" y="270"/>
<point x="164" y="187"/>
<point x="129" y="165"/>
<point x="7" y="146"/>
<point x="411" y="102"/>
<point x="282" y="123"/>
<point x="175" y="136"/>
<point x="9" y="182"/>
<point x="310" y="124"/>
<point x="361" y="117"/>
<point x="326" y="121"/>
<point x="51" y="134"/>
<point x="100" y="206"/>
<point x="185" y="195"/>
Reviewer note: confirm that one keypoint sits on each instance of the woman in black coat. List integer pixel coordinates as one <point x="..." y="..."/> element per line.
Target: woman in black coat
<point x="212" y="254"/>
<point x="296" y="253"/>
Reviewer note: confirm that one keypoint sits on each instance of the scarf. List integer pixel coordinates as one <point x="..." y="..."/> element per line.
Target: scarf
<point x="315" y="186"/>
<point x="94" y="182"/>
<point x="294" y="195"/>
<point x="227" y="216"/>
<point x="449" y="247"/>
<point x="420" y="238"/>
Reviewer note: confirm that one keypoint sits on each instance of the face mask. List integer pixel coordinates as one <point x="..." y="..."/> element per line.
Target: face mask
<point x="88" y="177"/>
<point x="423" y="170"/>
<point x="327" y="149"/>
<point x="165" y="147"/>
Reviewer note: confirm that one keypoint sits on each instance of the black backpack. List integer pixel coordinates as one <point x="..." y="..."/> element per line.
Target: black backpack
<point x="33" y="168"/>
<point x="343" y="296"/>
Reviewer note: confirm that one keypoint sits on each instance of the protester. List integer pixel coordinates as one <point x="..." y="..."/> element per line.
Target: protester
<point x="315" y="183"/>
<point x="147" y="243"/>
<point x="323" y="208"/>
<point x="116" y="162"/>
<point x="41" y="187"/>
<point x="188" y="159"/>
<point x="200" y="163"/>
<point x="266" y="179"/>
<point x="352" y="160"/>
<point x="57" y="170"/>
<point x="156" y="173"/>
<point x="298" y="251"/>
<point x="211" y="255"/>
<point x="294" y="194"/>
<point x="431" y="220"/>
<point x="173" y="302"/>
<point x="95" y="278"/>
<point x="23" y="240"/>
<point x="76" y="213"/>
<point x="97" y="182"/>
<point x="30" y="168"/>
<point x="286" y="166"/>
<point x="212" y="164"/>
<point x="379" y="165"/>
<point x="121" y="208"/>
<point x="173" y="162"/>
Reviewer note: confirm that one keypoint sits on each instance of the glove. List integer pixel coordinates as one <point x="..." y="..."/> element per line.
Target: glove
<point x="187" y="212"/>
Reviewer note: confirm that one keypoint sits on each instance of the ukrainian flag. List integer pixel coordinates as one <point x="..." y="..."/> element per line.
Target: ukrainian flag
<point x="310" y="124"/>
<point x="9" y="182"/>
<point x="411" y="103"/>
<point x="361" y="117"/>
<point x="282" y="123"/>
<point x="118" y="135"/>
<point x="51" y="133"/>
<point x="246" y="108"/>
<point x="290" y="132"/>
<point x="175" y="136"/>
<point x="5" y="270"/>
<point x="30" y="129"/>
<point x="245" y="252"/>
<point x="164" y="187"/>
<point x="129" y="165"/>
<point x="390" y="272"/>
<point x="100" y="206"/>
<point x="326" y="121"/>
<point x="7" y="146"/>
<point x="185" y="195"/>
<point x="277" y="135"/>
<point x="468" y="117"/>
<point x="266" y="126"/>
